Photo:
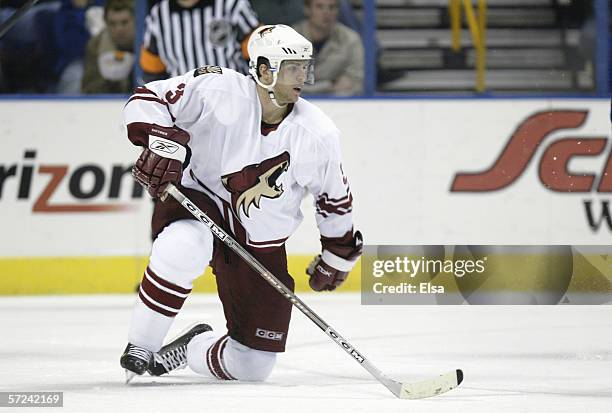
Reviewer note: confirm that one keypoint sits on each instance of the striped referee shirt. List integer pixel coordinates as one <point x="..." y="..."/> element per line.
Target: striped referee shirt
<point x="179" y="39"/>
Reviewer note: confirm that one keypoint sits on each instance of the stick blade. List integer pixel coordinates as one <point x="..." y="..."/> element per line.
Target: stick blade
<point x="431" y="387"/>
<point x="129" y="376"/>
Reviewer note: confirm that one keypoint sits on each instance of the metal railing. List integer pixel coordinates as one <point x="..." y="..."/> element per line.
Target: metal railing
<point x="478" y="29"/>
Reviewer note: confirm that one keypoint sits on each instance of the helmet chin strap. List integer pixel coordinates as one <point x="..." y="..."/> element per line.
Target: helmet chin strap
<point x="270" y="89"/>
<point x="272" y="97"/>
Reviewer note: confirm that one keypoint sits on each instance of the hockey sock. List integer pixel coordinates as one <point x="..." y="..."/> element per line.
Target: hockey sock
<point x="159" y="301"/>
<point x="224" y="358"/>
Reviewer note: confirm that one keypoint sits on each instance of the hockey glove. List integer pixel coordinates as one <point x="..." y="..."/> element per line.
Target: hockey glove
<point x="328" y="270"/>
<point x="161" y="162"/>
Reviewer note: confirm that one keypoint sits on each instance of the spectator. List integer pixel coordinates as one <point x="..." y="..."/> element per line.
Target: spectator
<point x="181" y="35"/>
<point x="109" y="59"/>
<point x="286" y="12"/>
<point x="75" y="22"/>
<point x="339" y="55"/>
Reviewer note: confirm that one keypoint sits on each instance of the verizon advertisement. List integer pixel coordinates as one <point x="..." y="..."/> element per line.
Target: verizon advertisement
<point x="421" y="172"/>
<point x="519" y="172"/>
<point x="65" y="184"/>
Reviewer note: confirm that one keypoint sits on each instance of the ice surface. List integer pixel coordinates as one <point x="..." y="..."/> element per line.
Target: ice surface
<point x="515" y="359"/>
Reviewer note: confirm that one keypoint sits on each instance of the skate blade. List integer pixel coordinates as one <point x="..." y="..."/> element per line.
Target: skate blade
<point x="129" y="376"/>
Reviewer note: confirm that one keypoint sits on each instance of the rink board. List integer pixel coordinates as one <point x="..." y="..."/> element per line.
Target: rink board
<point x="74" y="221"/>
<point x="58" y="275"/>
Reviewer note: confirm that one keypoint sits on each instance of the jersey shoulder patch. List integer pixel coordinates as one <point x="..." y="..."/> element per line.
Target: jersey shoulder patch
<point x="204" y="70"/>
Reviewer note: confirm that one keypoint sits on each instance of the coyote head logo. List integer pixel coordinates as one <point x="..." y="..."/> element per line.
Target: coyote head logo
<point x="248" y="185"/>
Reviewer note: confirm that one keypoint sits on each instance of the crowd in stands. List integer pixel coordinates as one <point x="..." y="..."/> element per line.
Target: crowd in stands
<point x="75" y="47"/>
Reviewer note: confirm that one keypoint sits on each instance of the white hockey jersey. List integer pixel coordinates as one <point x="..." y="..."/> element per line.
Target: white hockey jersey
<point x="257" y="180"/>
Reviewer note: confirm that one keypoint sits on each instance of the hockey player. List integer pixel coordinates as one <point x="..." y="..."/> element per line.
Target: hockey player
<point x="246" y="149"/>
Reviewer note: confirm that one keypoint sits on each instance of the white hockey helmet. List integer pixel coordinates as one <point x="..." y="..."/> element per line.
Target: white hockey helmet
<point x="278" y="43"/>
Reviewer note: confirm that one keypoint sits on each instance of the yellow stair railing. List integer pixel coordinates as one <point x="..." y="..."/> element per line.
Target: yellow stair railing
<point x="477" y="26"/>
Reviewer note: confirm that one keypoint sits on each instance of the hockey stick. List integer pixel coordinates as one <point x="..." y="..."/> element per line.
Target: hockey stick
<point x="419" y="390"/>
<point x="10" y="22"/>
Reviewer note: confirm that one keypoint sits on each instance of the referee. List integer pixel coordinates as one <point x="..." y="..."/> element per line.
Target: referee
<point x="181" y="35"/>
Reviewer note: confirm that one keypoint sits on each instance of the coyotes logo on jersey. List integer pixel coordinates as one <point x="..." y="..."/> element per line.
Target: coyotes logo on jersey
<point x="252" y="182"/>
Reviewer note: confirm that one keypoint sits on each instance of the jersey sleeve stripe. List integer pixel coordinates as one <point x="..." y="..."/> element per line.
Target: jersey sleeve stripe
<point x="152" y="99"/>
<point x="143" y="90"/>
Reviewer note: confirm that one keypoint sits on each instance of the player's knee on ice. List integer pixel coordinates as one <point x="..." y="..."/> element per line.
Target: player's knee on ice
<point x="241" y="362"/>
<point x="245" y="363"/>
<point x="182" y="251"/>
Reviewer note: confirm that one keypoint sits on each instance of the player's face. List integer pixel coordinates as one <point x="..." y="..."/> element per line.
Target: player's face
<point x="292" y="76"/>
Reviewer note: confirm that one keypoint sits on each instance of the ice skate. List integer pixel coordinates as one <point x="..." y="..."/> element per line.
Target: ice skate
<point x="173" y="355"/>
<point x="135" y="360"/>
